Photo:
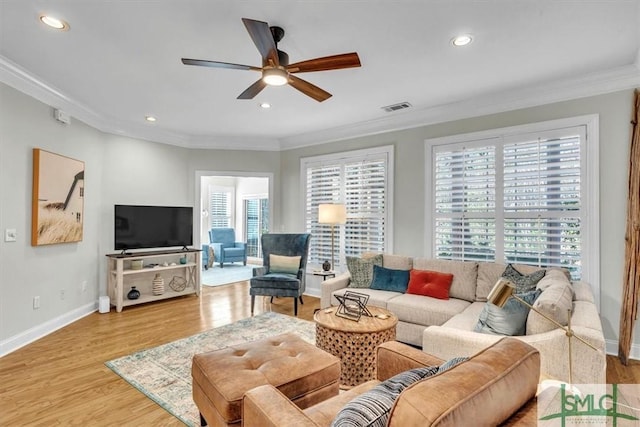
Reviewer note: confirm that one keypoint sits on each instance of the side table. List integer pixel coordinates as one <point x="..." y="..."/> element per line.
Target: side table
<point x="354" y="342"/>
<point x="324" y="274"/>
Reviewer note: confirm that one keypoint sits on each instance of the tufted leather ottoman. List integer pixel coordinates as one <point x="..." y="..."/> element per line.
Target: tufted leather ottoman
<point x="301" y="371"/>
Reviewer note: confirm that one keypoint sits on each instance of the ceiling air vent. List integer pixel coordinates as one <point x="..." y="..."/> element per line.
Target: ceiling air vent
<point x="396" y="107"/>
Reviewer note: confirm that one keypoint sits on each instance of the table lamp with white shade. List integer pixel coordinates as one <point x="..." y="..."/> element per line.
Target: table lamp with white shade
<point x="332" y="214"/>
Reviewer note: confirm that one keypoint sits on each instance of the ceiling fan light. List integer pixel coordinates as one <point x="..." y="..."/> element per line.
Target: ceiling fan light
<point x="275" y="77"/>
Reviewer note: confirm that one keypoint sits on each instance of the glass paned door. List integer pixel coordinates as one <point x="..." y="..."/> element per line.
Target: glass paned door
<point x="256" y="218"/>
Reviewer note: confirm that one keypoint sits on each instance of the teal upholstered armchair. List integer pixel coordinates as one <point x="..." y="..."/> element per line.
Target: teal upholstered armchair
<point x="225" y="247"/>
<point x="284" y="261"/>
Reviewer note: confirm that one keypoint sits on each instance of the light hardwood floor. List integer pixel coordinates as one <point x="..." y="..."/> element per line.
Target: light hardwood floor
<point x="61" y="379"/>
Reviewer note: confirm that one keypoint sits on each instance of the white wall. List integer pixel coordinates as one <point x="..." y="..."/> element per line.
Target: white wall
<point x="117" y="170"/>
<point x="614" y="110"/>
<point x="27" y="271"/>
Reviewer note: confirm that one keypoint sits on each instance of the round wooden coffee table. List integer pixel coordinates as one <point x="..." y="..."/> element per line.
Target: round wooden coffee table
<point x="354" y="342"/>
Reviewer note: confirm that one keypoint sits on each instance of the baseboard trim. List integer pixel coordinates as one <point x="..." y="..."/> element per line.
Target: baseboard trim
<point x="612" y="349"/>
<point x="312" y="292"/>
<point x="17" y="341"/>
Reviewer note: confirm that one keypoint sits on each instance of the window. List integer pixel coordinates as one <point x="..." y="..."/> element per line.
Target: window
<point x="256" y="223"/>
<point x="220" y="204"/>
<point x="362" y="180"/>
<point x="526" y="195"/>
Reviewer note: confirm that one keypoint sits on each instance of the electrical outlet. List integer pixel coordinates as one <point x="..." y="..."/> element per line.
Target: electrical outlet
<point x="36" y="303"/>
<point x="61" y="293"/>
<point x="83" y="286"/>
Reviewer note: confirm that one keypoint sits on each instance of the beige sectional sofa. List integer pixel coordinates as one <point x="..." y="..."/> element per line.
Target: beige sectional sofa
<point x="445" y="328"/>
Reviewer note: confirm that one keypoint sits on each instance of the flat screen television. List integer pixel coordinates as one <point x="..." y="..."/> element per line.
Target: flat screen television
<point x="143" y="227"/>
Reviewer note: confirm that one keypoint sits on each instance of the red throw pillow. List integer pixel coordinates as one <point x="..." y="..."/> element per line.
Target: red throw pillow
<point x="430" y="283"/>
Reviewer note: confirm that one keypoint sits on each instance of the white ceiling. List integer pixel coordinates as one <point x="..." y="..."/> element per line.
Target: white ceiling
<point x="120" y="61"/>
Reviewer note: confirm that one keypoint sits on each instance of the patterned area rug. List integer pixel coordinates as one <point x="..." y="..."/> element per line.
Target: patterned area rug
<point x="163" y="373"/>
<point x="230" y="273"/>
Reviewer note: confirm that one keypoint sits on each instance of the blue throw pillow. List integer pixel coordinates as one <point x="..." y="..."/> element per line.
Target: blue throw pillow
<point x="387" y="279"/>
<point x="509" y="320"/>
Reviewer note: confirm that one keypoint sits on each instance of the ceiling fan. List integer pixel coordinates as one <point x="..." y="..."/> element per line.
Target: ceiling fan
<point x="276" y="70"/>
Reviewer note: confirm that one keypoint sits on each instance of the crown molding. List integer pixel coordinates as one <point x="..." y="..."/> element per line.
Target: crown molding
<point x="20" y="79"/>
<point x="621" y="78"/>
<point x="612" y="80"/>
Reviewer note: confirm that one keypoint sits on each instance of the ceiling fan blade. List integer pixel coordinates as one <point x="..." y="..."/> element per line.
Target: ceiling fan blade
<point x="218" y="64"/>
<point x="253" y="90"/>
<point x="263" y="39"/>
<point x="334" y="62"/>
<point x="309" y="89"/>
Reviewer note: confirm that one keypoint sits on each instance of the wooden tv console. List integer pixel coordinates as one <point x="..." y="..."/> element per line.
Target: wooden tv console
<point x="121" y="275"/>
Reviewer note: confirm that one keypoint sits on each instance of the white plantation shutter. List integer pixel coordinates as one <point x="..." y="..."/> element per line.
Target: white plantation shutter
<point x="365" y="199"/>
<point x="359" y="179"/>
<point x="542" y="199"/>
<point x="219" y="208"/>
<point x="517" y="198"/>
<point x="465" y="201"/>
<point x="323" y="186"/>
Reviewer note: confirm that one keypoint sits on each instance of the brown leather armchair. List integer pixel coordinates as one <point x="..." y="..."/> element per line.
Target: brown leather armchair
<point x="495" y="386"/>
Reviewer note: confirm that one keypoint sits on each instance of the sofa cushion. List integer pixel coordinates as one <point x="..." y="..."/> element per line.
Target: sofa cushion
<point x="582" y="292"/>
<point x="523" y="282"/>
<point x="510" y="319"/>
<point x="467" y="319"/>
<point x="483" y="391"/>
<point x="555" y="301"/>
<point x="388" y="279"/>
<point x="284" y="264"/>
<point x="377" y="298"/>
<point x="361" y="270"/>
<point x="423" y="310"/>
<point x="430" y="283"/>
<point x="397" y="262"/>
<point x="553" y="276"/>
<point x="465" y="275"/>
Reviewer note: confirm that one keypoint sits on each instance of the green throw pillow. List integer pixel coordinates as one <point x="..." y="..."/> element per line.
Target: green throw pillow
<point x="284" y="264"/>
<point x="523" y="282"/>
<point x="361" y="270"/>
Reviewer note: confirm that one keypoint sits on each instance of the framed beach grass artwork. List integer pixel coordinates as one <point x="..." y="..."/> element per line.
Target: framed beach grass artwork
<point x="57" y="212"/>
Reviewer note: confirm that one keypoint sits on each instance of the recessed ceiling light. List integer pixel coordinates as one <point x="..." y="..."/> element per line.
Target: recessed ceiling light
<point x="265" y="105"/>
<point x="54" y="22"/>
<point x="461" y="40"/>
<point x="150" y="118"/>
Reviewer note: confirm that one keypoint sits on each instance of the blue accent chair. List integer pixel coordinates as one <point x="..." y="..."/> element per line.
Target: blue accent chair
<point x="265" y="283"/>
<point x="225" y="248"/>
